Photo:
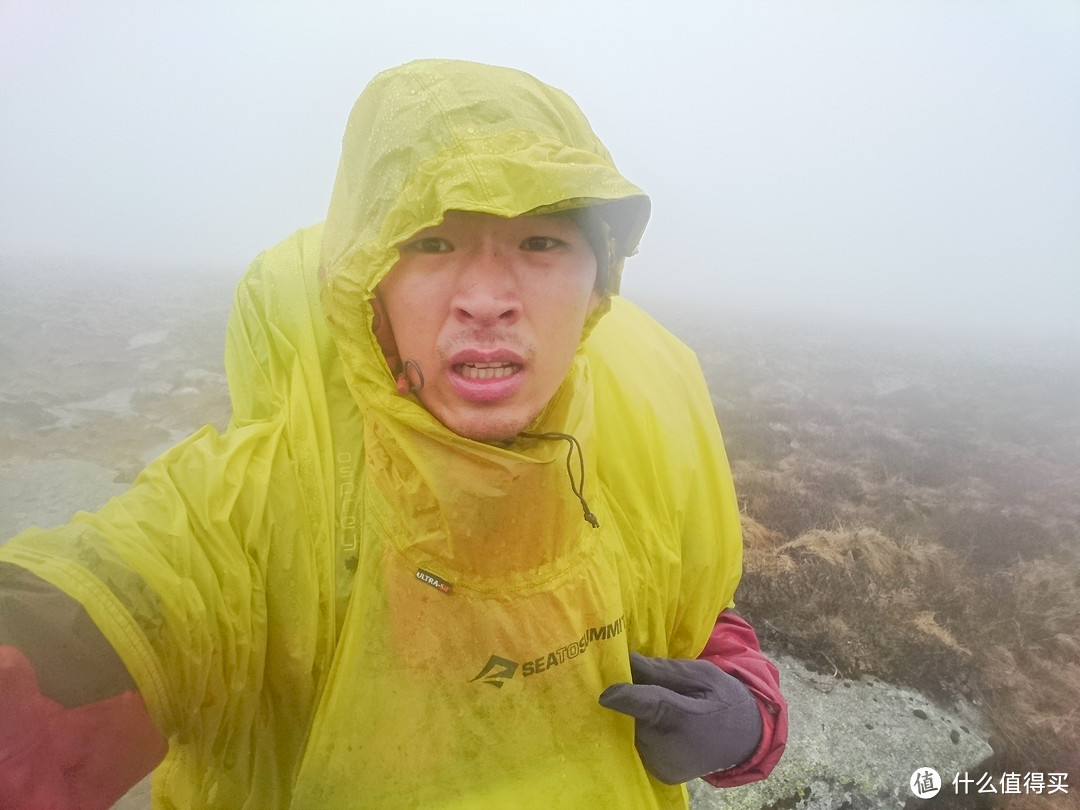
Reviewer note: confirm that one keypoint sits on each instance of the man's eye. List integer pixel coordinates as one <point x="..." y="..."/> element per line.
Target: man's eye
<point x="428" y="244"/>
<point x="540" y="243"/>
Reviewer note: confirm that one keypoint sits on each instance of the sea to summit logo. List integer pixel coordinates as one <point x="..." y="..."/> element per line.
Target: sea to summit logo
<point x="495" y="670"/>
<point x="499" y="669"/>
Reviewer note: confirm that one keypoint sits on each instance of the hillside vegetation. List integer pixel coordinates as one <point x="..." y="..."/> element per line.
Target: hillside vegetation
<point x="912" y="512"/>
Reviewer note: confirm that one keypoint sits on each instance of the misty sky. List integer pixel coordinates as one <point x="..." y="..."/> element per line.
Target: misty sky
<point x="914" y="161"/>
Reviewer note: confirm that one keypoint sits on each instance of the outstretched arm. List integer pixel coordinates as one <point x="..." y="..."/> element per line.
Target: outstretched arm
<point x="74" y="732"/>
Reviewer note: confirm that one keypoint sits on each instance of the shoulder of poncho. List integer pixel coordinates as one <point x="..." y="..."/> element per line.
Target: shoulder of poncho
<point x="277" y="340"/>
<point x="655" y="423"/>
<point x="634" y="359"/>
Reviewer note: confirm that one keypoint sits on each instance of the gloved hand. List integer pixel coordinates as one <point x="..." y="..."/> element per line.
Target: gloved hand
<point x="692" y="717"/>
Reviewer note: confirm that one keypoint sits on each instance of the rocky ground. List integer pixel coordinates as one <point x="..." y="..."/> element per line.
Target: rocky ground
<point x="100" y="373"/>
<point x="856" y="745"/>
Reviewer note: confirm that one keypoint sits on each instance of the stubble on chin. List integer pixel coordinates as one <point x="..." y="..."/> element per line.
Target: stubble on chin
<point x="491" y="429"/>
<point x="484" y="424"/>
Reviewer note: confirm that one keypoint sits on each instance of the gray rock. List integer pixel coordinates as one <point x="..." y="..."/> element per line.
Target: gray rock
<point x="48" y="491"/>
<point x="855" y="745"/>
<point x="138" y="798"/>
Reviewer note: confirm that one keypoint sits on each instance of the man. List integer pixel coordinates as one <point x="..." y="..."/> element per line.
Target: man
<point x="469" y="528"/>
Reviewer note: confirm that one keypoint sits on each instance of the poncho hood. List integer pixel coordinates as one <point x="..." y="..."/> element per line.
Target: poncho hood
<point x="436" y="135"/>
<point x="423" y="139"/>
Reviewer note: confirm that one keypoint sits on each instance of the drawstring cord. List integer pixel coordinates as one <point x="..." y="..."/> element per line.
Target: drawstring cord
<point x="577" y="487"/>
<point x="405" y="385"/>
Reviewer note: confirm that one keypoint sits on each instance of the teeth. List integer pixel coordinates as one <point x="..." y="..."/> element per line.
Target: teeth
<point x="486" y="371"/>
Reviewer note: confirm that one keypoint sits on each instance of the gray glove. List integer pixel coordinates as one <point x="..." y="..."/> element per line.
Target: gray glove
<point x="692" y="717"/>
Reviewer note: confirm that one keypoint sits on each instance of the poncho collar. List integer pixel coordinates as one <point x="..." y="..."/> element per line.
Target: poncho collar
<point x="483" y="516"/>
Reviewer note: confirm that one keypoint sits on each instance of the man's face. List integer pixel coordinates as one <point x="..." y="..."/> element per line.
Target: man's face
<point x="491" y="310"/>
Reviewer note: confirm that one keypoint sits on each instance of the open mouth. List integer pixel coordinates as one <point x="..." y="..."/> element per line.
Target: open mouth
<point x="486" y="371"/>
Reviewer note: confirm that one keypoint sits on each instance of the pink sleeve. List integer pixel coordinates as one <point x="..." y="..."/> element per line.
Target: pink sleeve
<point x="734" y="647"/>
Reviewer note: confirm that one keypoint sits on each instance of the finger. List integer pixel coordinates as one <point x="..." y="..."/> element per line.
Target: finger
<point x="652" y="705"/>
<point x="687" y="677"/>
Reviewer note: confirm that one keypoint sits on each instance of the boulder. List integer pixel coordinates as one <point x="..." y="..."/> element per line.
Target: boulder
<point x="855" y="745"/>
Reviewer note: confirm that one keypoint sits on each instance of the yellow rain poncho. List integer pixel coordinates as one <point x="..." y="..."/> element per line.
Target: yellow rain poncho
<point x="339" y="603"/>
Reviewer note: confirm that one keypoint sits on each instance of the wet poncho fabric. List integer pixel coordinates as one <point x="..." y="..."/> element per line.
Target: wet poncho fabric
<point x="339" y="603"/>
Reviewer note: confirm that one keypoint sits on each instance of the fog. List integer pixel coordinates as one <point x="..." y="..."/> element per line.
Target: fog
<point x="910" y="163"/>
<point x="901" y="172"/>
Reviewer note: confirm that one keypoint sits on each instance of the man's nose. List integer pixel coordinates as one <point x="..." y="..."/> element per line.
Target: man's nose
<point x="487" y="293"/>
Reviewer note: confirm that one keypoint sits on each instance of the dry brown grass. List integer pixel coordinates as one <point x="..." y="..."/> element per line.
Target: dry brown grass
<point x="857" y="602"/>
<point x="1029" y="669"/>
<point x="912" y="512"/>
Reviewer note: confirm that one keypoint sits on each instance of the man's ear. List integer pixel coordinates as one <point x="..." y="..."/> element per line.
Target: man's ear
<point x="384" y="333"/>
